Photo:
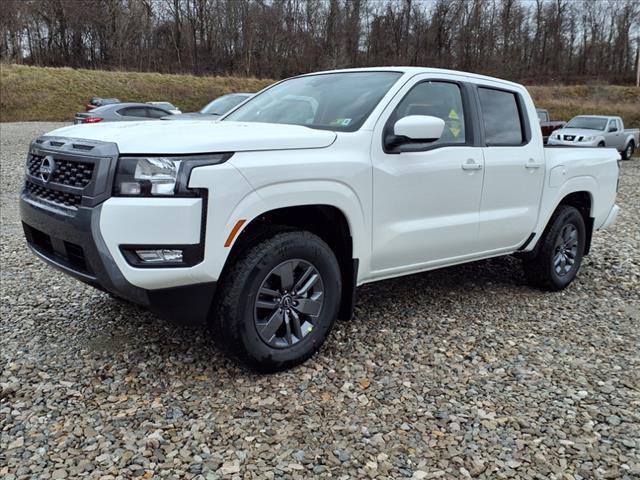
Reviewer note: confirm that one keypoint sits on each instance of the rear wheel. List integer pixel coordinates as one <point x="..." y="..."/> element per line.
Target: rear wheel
<point x="278" y="302"/>
<point x="560" y="252"/>
<point x="628" y="151"/>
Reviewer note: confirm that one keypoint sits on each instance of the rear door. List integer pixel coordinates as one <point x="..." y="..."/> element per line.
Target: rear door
<point x="514" y="169"/>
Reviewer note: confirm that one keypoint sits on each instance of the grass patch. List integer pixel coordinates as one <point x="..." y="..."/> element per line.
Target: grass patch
<point x="565" y="102"/>
<point x="56" y="94"/>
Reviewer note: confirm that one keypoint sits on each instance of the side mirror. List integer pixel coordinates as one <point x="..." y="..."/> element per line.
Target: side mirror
<point x="613" y="129"/>
<point x="419" y="128"/>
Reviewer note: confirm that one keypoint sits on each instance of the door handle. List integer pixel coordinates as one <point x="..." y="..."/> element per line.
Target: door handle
<point x="532" y="164"/>
<point x="471" y="164"/>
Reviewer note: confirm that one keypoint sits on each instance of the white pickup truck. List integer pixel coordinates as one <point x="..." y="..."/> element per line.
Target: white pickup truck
<point x="265" y="222"/>
<point x="597" y="131"/>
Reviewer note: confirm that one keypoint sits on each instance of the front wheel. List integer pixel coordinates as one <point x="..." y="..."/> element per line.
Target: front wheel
<point x="560" y="252"/>
<point x="278" y="302"/>
<point x="628" y="151"/>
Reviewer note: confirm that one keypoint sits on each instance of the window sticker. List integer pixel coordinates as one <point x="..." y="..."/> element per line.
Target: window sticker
<point x="343" y="122"/>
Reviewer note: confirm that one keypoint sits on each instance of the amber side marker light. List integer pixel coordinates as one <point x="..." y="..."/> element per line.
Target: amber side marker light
<point x="234" y="232"/>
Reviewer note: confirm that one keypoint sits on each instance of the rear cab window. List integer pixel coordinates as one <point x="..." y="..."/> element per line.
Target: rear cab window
<point x="502" y="115"/>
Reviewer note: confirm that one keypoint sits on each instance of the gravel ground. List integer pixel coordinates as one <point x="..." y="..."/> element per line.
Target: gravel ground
<point x="464" y="372"/>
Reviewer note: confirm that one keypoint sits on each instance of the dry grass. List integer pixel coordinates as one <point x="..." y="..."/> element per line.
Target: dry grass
<point x="55" y="94"/>
<point x="564" y="102"/>
<point x="35" y="93"/>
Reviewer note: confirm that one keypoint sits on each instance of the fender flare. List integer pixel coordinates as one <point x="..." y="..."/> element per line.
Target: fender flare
<point x="583" y="183"/>
<point x="300" y="193"/>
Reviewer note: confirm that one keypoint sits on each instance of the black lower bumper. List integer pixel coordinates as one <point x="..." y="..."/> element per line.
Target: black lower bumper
<point x="71" y="242"/>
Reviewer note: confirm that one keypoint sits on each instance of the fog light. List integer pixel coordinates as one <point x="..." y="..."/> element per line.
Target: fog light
<point x="160" y="256"/>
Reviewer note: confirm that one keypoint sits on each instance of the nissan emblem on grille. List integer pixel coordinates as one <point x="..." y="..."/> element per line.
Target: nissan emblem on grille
<point x="47" y="167"/>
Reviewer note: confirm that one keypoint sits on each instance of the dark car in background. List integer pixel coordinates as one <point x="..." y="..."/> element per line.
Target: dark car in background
<point x="547" y="125"/>
<point x="121" y="112"/>
<point x="96" y="102"/>
<point x="214" y="109"/>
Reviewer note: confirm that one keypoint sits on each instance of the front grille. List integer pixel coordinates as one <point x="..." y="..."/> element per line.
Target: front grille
<point x="66" y="172"/>
<point x="53" y="196"/>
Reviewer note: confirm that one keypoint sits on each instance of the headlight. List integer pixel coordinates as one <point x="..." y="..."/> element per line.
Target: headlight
<point x="159" y="176"/>
<point x="588" y="139"/>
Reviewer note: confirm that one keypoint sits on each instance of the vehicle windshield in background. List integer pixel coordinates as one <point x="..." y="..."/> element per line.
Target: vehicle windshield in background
<point x="590" y="123"/>
<point x="331" y="101"/>
<point x="222" y="105"/>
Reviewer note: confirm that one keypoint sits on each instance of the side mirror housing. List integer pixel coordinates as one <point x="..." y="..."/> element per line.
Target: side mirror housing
<point x="419" y="128"/>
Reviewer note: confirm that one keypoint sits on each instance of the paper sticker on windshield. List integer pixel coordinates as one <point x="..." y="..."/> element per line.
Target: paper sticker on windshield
<point x="343" y="122"/>
<point x="453" y="115"/>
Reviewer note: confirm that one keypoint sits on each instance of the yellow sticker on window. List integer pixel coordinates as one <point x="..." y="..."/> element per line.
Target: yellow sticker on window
<point x="455" y="132"/>
<point x="453" y="115"/>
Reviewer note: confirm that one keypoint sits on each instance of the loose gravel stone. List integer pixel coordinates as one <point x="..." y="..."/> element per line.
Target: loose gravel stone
<point x="458" y="373"/>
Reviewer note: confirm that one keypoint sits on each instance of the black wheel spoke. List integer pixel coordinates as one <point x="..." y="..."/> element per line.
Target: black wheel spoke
<point x="270" y="304"/>
<point x="285" y="272"/>
<point x="296" y="327"/>
<point x="305" y="276"/>
<point x="269" y="292"/>
<point x="273" y="324"/>
<point x="288" y="336"/>
<point x="309" y="306"/>
<point x="308" y="284"/>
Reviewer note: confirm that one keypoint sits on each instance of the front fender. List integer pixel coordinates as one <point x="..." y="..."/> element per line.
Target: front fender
<point x="300" y="193"/>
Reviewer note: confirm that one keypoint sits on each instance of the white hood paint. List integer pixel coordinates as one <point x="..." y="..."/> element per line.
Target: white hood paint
<point x="578" y="132"/>
<point x="198" y="136"/>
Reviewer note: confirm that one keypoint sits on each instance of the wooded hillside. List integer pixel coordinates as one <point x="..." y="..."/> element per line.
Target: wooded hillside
<point x="534" y="41"/>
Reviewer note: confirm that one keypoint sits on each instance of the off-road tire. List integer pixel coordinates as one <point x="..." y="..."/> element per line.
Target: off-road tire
<point x="540" y="270"/>
<point x="232" y="320"/>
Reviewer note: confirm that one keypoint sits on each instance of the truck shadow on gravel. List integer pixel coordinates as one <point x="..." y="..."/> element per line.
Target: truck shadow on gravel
<point x="127" y="329"/>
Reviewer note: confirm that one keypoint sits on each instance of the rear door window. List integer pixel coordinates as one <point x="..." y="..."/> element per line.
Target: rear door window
<point x="156" y="113"/>
<point x="501" y="117"/>
<point x="134" y="112"/>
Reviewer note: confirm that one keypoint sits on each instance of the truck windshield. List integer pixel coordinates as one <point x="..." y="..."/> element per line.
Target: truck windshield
<point x="589" y="123"/>
<point x="222" y="105"/>
<point x="332" y="101"/>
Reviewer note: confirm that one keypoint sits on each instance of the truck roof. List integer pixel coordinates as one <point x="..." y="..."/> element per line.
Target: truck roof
<point x="597" y="116"/>
<point x="418" y="70"/>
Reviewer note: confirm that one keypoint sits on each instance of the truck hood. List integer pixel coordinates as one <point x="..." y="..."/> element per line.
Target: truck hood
<point x="580" y="132"/>
<point x="198" y="136"/>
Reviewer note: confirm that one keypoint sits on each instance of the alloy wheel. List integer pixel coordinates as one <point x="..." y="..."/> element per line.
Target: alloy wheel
<point x="289" y="303"/>
<point x="566" y="250"/>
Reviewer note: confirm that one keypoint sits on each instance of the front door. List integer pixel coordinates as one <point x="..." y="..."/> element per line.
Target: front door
<point x="426" y="196"/>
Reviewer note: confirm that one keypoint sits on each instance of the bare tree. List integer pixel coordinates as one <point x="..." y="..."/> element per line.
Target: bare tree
<point x="545" y="40"/>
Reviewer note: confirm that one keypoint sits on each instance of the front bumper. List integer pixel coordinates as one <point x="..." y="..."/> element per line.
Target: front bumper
<point x="73" y="244"/>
